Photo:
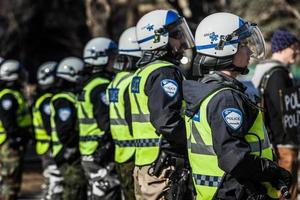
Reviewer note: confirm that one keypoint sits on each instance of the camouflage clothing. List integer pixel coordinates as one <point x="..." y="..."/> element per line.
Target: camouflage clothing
<point x="125" y="172"/>
<point x="11" y="171"/>
<point x="103" y="181"/>
<point x="74" y="181"/>
<point x="53" y="180"/>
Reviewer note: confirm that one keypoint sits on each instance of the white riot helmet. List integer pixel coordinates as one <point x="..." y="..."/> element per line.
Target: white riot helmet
<point x="217" y="40"/>
<point x="155" y="29"/>
<point x="46" y="74"/>
<point x="129" y="51"/>
<point x="10" y="70"/>
<point x="219" y="35"/>
<point x="128" y="44"/>
<point x="69" y="69"/>
<point x="98" y="50"/>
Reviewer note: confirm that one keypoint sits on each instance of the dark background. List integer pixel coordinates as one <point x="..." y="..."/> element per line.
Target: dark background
<point x="35" y="31"/>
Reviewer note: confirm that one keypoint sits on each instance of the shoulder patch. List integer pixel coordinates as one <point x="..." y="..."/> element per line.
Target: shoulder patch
<point x="169" y="86"/>
<point x="113" y="94"/>
<point x="6" y="104"/>
<point x="103" y="98"/>
<point x="64" y="114"/>
<point x="233" y="117"/>
<point x="196" y="117"/>
<point x="46" y="109"/>
<point x="135" y="84"/>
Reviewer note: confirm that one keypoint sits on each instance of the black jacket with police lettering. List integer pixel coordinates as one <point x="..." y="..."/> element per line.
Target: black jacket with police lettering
<point x="229" y="144"/>
<point x="165" y="109"/>
<point x="279" y="80"/>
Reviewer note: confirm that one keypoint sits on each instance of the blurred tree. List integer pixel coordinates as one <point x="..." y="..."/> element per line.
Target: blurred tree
<point x="38" y="30"/>
<point x="34" y="31"/>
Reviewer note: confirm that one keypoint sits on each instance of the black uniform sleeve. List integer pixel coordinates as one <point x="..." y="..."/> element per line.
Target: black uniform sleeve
<point x="164" y="90"/>
<point x="44" y="110"/>
<point x="65" y="120"/>
<point x="228" y="136"/>
<point x="8" y="115"/>
<point x="100" y="107"/>
<point x="128" y="110"/>
<point x="279" y="80"/>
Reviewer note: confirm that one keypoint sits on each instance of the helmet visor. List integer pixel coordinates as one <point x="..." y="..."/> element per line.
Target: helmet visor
<point x="121" y="62"/>
<point x="255" y="40"/>
<point x="180" y="36"/>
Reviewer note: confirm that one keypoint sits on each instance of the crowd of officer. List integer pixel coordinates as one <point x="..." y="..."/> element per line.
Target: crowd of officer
<point x="125" y="122"/>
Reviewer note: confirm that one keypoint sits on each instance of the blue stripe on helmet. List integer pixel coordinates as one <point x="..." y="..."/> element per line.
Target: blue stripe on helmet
<point x="129" y="50"/>
<point x="112" y="45"/>
<point x="241" y="22"/>
<point x="146" y="39"/>
<point x="171" y="17"/>
<point x="210" y="46"/>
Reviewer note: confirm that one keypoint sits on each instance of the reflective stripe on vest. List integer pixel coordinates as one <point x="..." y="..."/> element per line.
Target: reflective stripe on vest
<point x="56" y="144"/>
<point x="41" y="136"/>
<point x="88" y="128"/>
<point x="124" y="143"/>
<point x="147" y="140"/>
<point x="23" y="113"/>
<point x="206" y="177"/>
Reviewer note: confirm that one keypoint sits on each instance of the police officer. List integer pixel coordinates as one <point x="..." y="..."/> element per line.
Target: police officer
<point x="14" y="127"/>
<point x="52" y="188"/>
<point x="96" y="145"/>
<point x="64" y="135"/>
<point x="156" y="102"/>
<point x="119" y="109"/>
<point x="228" y="144"/>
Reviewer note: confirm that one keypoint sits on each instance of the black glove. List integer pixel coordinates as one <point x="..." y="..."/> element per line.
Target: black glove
<point x="104" y="154"/>
<point x="275" y="174"/>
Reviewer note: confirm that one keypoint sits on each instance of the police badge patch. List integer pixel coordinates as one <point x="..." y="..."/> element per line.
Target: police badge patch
<point x="233" y="117"/>
<point x="64" y="114"/>
<point x="170" y="87"/>
<point x="46" y="109"/>
<point x="103" y="98"/>
<point x="6" y="104"/>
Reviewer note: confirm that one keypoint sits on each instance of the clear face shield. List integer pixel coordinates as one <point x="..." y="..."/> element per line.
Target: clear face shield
<point x="254" y="39"/>
<point x="100" y="57"/>
<point x="125" y="62"/>
<point x="180" y="36"/>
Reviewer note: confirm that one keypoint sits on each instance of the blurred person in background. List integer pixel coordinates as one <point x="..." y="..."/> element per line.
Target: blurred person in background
<point x="119" y="109"/>
<point x="96" y="145"/>
<point x="14" y="127"/>
<point x="155" y="94"/>
<point x="64" y="129"/>
<point x="269" y="78"/>
<point x="52" y="187"/>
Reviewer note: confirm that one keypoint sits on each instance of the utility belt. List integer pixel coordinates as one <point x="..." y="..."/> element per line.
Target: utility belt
<point x="178" y="175"/>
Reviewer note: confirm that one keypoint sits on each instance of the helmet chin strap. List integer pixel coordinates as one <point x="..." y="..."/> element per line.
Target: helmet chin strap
<point x="241" y="70"/>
